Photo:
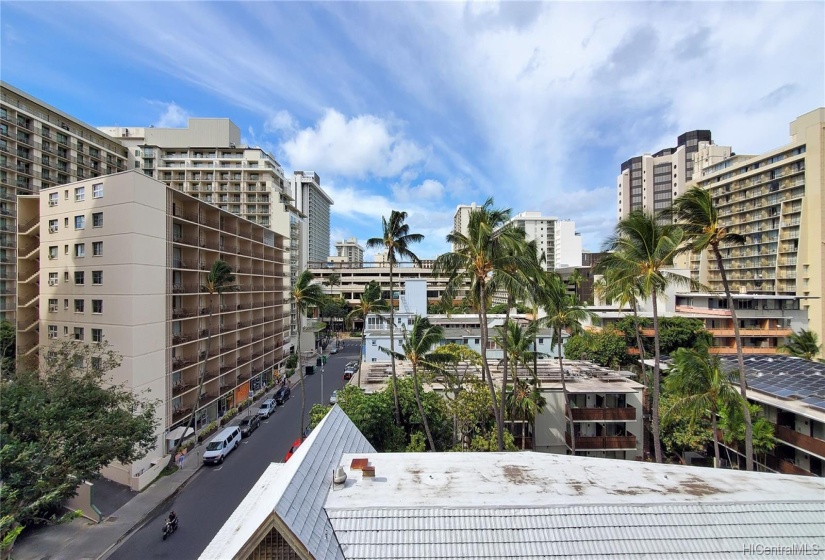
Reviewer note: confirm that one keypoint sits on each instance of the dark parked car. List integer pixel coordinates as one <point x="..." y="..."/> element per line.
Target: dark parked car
<point x="249" y="425"/>
<point x="348" y="374"/>
<point x="282" y="395"/>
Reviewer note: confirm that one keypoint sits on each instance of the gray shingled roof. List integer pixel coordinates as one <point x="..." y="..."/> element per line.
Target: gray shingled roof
<point x="302" y="505"/>
<point x="707" y="530"/>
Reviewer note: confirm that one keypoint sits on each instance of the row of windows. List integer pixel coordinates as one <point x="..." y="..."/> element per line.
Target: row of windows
<point x="79" y="194"/>
<point x="78" y="334"/>
<point x="79" y="305"/>
<point x="79" y="250"/>
<point x="79" y="277"/>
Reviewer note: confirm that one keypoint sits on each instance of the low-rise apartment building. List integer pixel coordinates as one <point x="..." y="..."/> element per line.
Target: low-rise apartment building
<point x="123" y="259"/>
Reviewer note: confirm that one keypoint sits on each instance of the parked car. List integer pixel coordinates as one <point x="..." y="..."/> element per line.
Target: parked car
<point x="295" y="445"/>
<point x="333" y="398"/>
<point x="334" y="350"/>
<point x="249" y="425"/>
<point x="347" y="374"/>
<point x="282" y="395"/>
<point x="221" y="445"/>
<point x="267" y="408"/>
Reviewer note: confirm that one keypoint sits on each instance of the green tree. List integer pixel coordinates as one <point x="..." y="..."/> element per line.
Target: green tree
<point x="370" y="302"/>
<point x="625" y="290"/>
<point x="396" y="239"/>
<point x="804" y="344"/>
<point x="701" y="386"/>
<point x="520" y="345"/>
<point x="674" y="333"/>
<point x="305" y="295"/>
<point x="564" y="313"/>
<point x="61" y="425"/>
<point x="335" y="308"/>
<point x="606" y="347"/>
<point x="329" y="308"/>
<point x="682" y="432"/>
<point x="698" y="217"/>
<point x="732" y="425"/>
<point x="641" y="250"/>
<point x="8" y="349"/>
<point x="218" y="280"/>
<point x="317" y="413"/>
<point x="576" y="280"/>
<point x="484" y="258"/>
<point x="525" y="401"/>
<point x="417" y="348"/>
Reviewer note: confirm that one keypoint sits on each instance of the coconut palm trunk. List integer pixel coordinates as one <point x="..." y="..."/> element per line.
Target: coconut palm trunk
<point x="743" y="383"/>
<point x="485" y="365"/>
<point x="417" y="392"/>
<point x="505" y="362"/>
<point x="392" y="349"/>
<point x="654" y="409"/>
<point x="568" y="412"/>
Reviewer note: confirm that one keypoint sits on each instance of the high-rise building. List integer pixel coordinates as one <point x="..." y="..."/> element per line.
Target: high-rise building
<point x="555" y="239"/>
<point x="208" y="161"/>
<point x="41" y="147"/>
<point x="348" y="252"/>
<point x="650" y="183"/>
<point x="122" y="259"/>
<point x="775" y="200"/>
<point x="314" y="203"/>
<point x="461" y="218"/>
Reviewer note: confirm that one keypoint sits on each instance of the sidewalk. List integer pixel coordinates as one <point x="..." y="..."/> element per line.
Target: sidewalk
<point x="84" y="540"/>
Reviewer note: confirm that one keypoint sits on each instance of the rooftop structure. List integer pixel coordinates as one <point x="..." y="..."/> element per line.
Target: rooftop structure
<point x="529" y="505"/>
<point x="348" y="252"/>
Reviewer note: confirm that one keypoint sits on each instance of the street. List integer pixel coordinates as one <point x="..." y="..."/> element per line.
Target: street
<point x="205" y="504"/>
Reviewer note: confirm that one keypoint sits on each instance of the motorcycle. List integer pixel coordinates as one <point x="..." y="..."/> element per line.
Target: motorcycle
<point x="169" y="527"/>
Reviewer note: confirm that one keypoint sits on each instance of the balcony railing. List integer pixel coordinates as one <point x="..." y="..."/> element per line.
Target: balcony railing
<point x="603" y="442"/>
<point x="604" y="414"/>
<point x="801" y="441"/>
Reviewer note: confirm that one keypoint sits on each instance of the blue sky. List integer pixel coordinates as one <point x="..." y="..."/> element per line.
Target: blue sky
<point x="423" y="106"/>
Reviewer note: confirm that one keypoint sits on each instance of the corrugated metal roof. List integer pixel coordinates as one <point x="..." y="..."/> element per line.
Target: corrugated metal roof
<point x="580" y="531"/>
<point x="302" y="505"/>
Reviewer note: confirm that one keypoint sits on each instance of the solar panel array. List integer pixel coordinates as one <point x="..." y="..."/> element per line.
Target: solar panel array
<point x="785" y="377"/>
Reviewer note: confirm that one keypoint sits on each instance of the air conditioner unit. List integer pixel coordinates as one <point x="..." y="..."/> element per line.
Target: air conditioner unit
<point x="52" y="257"/>
<point x="52" y="203"/>
<point x="52" y="281"/>
<point x="52" y="229"/>
<point x="52" y="335"/>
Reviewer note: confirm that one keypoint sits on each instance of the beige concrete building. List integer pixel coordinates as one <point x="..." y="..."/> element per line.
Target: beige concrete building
<point x="555" y="239"/>
<point x="776" y="201"/>
<point x="41" y="147"/>
<point x="461" y="218"/>
<point x="650" y="183"/>
<point x="348" y="252"/>
<point x="123" y="258"/>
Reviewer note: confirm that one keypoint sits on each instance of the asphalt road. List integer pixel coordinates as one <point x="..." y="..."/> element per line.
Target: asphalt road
<point x="211" y="496"/>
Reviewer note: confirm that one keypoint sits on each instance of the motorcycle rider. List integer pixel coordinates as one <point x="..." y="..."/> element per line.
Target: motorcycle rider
<point x="173" y="519"/>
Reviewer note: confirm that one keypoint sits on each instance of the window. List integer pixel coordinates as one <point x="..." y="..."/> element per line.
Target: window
<point x="80" y="250"/>
<point x="80" y="194"/>
<point x="66" y="330"/>
<point x="79" y="277"/>
<point x="53" y="198"/>
<point x="78" y="333"/>
<point x="78" y="305"/>
<point x="96" y="363"/>
<point x="97" y="219"/>
<point x="97" y="306"/>
<point x="79" y="222"/>
<point x="53" y="252"/>
<point x="66" y="276"/>
<point x="52" y="331"/>
<point x="97" y="248"/>
<point x="97" y="190"/>
<point x="53" y="280"/>
<point x="53" y="305"/>
<point x="97" y="277"/>
<point x="97" y="335"/>
<point x="52" y="226"/>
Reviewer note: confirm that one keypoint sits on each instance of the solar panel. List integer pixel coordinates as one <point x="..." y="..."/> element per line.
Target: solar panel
<point x="783" y="376"/>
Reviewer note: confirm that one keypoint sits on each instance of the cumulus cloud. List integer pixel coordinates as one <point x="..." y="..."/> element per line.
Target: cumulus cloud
<point x="281" y="121"/>
<point x="428" y="190"/>
<point x="173" y="115"/>
<point x="360" y="146"/>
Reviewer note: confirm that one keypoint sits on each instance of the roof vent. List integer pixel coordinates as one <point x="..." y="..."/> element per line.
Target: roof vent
<point x="339" y="476"/>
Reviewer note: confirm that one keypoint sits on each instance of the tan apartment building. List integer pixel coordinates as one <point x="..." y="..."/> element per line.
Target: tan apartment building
<point x="123" y="258"/>
<point x="775" y="200"/>
<point x="41" y="147"/>
<point x="347" y="252"/>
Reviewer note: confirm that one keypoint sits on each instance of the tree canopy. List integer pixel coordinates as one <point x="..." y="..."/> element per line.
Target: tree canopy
<point x="62" y="425"/>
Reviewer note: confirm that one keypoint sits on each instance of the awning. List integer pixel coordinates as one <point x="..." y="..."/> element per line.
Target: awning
<point x="178" y="433"/>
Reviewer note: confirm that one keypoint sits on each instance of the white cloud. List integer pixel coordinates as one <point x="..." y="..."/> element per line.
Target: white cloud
<point x="281" y="121"/>
<point x="362" y="146"/>
<point x="429" y="190"/>
<point x="173" y="115"/>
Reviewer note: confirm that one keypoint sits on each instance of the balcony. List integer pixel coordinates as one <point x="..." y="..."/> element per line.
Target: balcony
<point x="755" y="350"/>
<point x="603" y="442"/>
<point x="800" y="441"/>
<point x="604" y="414"/>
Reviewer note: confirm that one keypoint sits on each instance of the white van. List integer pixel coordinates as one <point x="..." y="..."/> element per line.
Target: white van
<point x="221" y="445"/>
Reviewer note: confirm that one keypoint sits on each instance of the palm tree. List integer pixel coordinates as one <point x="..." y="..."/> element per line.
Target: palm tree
<point x="417" y="347"/>
<point x="641" y="249"/>
<point x="701" y="387"/>
<point x="304" y="295"/>
<point x="576" y="279"/>
<point x="520" y="345"/>
<point x="218" y="280"/>
<point x="484" y="258"/>
<point x="803" y="344"/>
<point x="564" y="313"/>
<point x="396" y="240"/>
<point x="698" y="217"/>
<point x="370" y="302"/>
<point x="331" y="281"/>
<point x="625" y="291"/>
<point x="525" y="401"/>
